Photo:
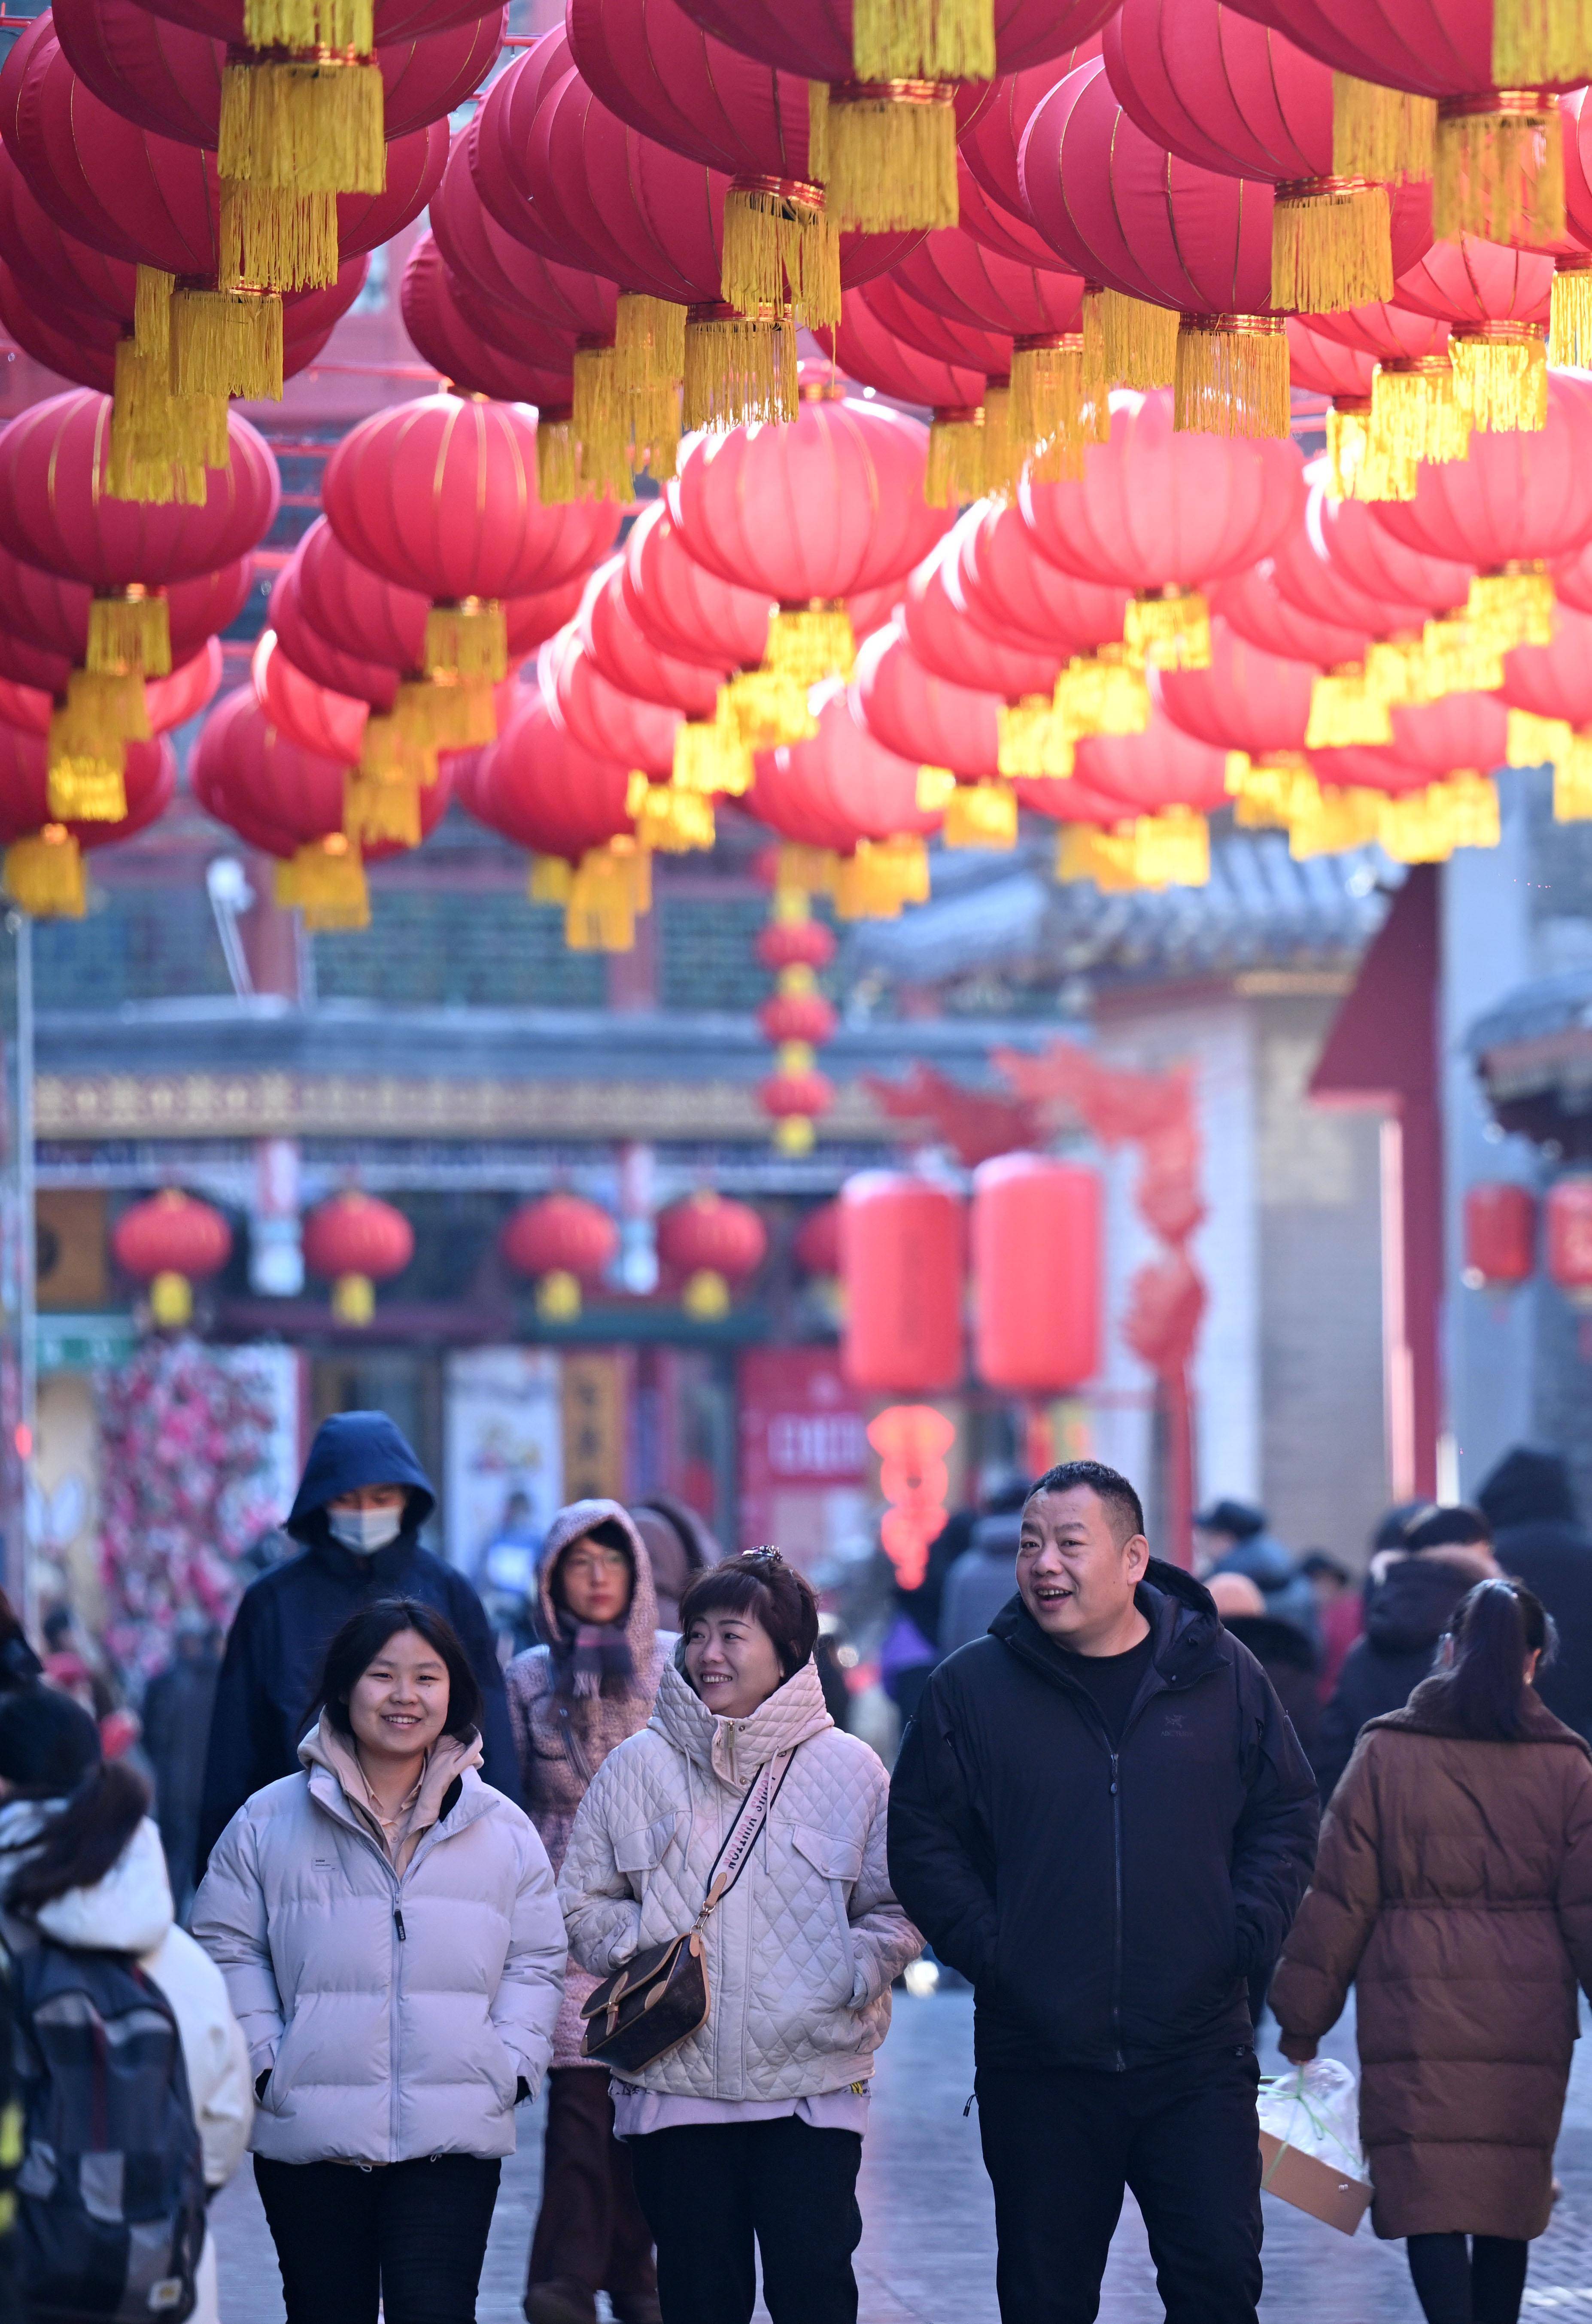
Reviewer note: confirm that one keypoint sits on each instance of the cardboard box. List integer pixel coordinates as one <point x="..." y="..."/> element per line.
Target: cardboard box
<point x="1312" y="2186"/>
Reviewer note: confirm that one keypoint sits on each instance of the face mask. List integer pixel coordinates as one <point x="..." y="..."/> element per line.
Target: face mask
<point x="365" y="1531"/>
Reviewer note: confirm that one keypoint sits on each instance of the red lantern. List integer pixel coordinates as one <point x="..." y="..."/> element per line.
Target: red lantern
<point x="795" y="943"/>
<point x="817" y="1245"/>
<point x="902" y="1262"/>
<point x="171" y="1242"/>
<point x="682" y="607"/>
<point x="799" y="1016"/>
<point x="1500" y="1236"/>
<point x="1036" y="1245"/>
<point x="356" y="1241"/>
<point x="43" y="867"/>
<point x="1316" y="584"/>
<point x="316" y="718"/>
<point x="934" y="617"/>
<point x="1568" y="1212"/>
<point x="447" y="338"/>
<point x="990" y="147"/>
<point x="567" y="1244"/>
<point x="844" y="788"/>
<point x="923" y="718"/>
<point x="1148" y="772"/>
<point x="713" y="1246"/>
<point x="1554" y="681"/>
<point x="1254" y="607"/>
<point x="868" y="351"/>
<point x="1497" y="303"/>
<point x="795" y="1098"/>
<point x="1244" y="700"/>
<point x="539" y="788"/>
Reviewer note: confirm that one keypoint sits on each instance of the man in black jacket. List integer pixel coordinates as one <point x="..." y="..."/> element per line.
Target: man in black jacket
<point x="1101" y="1817"/>
<point x="1539" y="1538"/>
<point x="361" y="1501"/>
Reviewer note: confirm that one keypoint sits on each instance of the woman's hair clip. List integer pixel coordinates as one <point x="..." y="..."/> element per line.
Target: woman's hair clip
<point x="765" y="1553"/>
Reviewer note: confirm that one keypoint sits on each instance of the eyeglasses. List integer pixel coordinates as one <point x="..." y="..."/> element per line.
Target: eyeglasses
<point x="593" y="1564"/>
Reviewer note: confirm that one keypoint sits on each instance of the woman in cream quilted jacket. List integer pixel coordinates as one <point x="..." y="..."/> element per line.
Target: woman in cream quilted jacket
<point x="751" y="2129"/>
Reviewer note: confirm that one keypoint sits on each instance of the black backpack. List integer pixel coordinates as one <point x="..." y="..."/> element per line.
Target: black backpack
<point x="110" y="2192"/>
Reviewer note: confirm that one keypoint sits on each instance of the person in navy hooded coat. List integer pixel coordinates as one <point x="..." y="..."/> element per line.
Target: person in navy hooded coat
<point x="361" y="1501"/>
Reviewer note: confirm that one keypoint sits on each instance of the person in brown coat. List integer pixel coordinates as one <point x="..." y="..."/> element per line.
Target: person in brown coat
<point x="571" y="1702"/>
<point x="1453" y="1889"/>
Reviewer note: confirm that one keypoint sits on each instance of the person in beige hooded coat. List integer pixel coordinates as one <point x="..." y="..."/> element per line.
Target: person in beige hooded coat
<point x="571" y="1702"/>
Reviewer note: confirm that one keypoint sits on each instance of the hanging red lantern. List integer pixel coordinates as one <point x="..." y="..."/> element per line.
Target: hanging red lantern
<point x="868" y="352"/>
<point x="567" y="1244"/>
<point x="1497" y="303"/>
<point x="1361" y="466"/>
<point x="317" y="718"/>
<point x="1548" y="692"/>
<point x="816" y="1247"/>
<point x="1037" y="1257"/>
<point x="445" y="327"/>
<point x="903" y="1260"/>
<point x="795" y="943"/>
<point x="711" y="1246"/>
<point x="1161" y="767"/>
<point x="170" y="1242"/>
<point x="355" y="1241"/>
<point x="1568" y="1211"/>
<point x="844" y="791"/>
<point x="1500" y="1236"/>
<point x="1245" y="699"/>
<point x="541" y="789"/>
<point x="43" y="863"/>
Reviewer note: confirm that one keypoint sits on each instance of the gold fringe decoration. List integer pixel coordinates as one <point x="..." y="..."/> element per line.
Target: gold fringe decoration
<point x="668" y="819"/>
<point x="1033" y="740"/>
<point x="982" y="815"/>
<point x="1358" y="466"/>
<point x="1382" y="133"/>
<point x="143" y="452"/>
<point x="1397" y="670"/>
<point x="131" y="630"/>
<point x="1512" y="607"/>
<point x="600" y="456"/>
<point x="1572" y="782"/>
<point x="935" y="788"/>
<point x="1169" y="629"/>
<point x="810" y="643"/>
<point x="955" y="471"/>
<point x="1501" y="375"/>
<point x="1335" y="821"/>
<point x="1331" y="244"/>
<point x="304" y="124"/>
<point x="392" y="750"/>
<point x="43" y="875"/>
<point x="800" y="873"/>
<point x="275" y="240"/>
<point x="738" y="368"/>
<point x="83" y="787"/>
<point x="1232" y="375"/>
<point x="326" y="882"/>
<point x="468" y="640"/>
<point x="1271" y="791"/>
<point x="223" y="344"/>
<point x="648" y="363"/>
<point x="558" y="467"/>
<point x="1500" y="167"/>
<point x="1456" y="659"/>
<point x="1569" y="328"/>
<point x="106" y="708"/>
<point x="1172" y="849"/>
<point x="1426" y="827"/>
<point x="711" y="755"/>
<point x="1536" y="42"/>
<point x="1534" y="741"/>
<point x="336" y="25"/>
<point x="1344" y="710"/>
<point x="768" y="706"/>
<point x="1138" y="340"/>
<point x="376" y="809"/>
<point x="1003" y="470"/>
<point x="1417" y="413"/>
<point x="151" y="312"/>
<point x="1105" y="693"/>
<point x="550" y="881"/>
<point x="880" y="877"/>
<point x="780" y="248"/>
<point x="610" y="886"/>
<point x="1056" y="407"/>
<point x="459" y="714"/>
<point x="943" y="40"/>
<point x="890" y="156"/>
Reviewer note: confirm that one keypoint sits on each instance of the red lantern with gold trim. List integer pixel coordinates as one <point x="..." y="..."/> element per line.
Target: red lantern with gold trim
<point x="1500" y="1236"/>
<point x="711" y="1246"/>
<point x="356" y="1241"/>
<point x="171" y="1242"/>
<point x="567" y="1244"/>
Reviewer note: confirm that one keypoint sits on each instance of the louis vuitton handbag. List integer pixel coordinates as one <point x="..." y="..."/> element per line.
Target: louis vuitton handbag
<point x="662" y="1998"/>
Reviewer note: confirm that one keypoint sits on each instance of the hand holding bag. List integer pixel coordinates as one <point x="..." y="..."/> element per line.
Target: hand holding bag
<point x="662" y="1998"/>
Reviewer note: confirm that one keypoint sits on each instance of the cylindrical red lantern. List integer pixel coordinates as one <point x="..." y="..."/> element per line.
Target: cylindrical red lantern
<point x="357" y="1241"/>
<point x="903" y="1256"/>
<point x="715" y="1245"/>
<point x="1568" y="1212"/>
<point x="1036" y="1273"/>
<point x="1500" y="1236"/>
<point x="567" y="1244"/>
<point x="171" y="1242"/>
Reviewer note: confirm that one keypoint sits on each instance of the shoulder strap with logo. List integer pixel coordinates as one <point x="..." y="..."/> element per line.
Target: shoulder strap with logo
<point x="732" y="1858"/>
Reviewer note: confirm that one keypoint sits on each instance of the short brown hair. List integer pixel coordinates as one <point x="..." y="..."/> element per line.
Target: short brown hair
<point x="761" y="1583"/>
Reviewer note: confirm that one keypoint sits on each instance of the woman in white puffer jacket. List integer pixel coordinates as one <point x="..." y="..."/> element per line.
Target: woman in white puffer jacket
<point x="750" y="2129"/>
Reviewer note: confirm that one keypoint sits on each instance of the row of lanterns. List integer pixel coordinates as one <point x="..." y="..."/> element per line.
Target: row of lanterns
<point x="1501" y="1233"/>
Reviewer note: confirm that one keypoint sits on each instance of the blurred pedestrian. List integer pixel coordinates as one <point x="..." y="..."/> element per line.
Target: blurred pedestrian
<point x="1280" y="1646"/>
<point x="1100" y="1817"/>
<point x="1454" y="1891"/>
<point x="387" y="1927"/>
<point x="1340" y="1614"/>
<point x="1234" y="1537"/>
<point x="572" y="1701"/>
<point x="19" y="1665"/>
<point x="1410" y="1595"/>
<point x="361" y="1503"/>
<point x="984" y="1578"/>
<point x="1538" y="1534"/>
<point x="177" y="1706"/>
<point x="680" y="1544"/>
<point x="748" y="2132"/>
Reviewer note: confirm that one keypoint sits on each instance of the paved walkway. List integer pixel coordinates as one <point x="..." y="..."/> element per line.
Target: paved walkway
<point x="927" y="2253"/>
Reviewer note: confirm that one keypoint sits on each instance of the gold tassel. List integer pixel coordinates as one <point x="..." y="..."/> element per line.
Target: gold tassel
<point x="224" y="344"/>
<point x="890" y="150"/>
<point x="1381" y="134"/>
<point x="1397" y="668"/>
<point x="1053" y="413"/>
<point x="390" y="749"/>
<point x="1455" y="659"/>
<point x="468" y="640"/>
<point x="83" y="789"/>
<point x="1358" y="466"/>
<point x="1501" y="375"/>
<point x="609" y="887"/>
<point x="106" y="708"/>
<point x="935" y="788"/>
<point x="131" y="630"/>
<point x="551" y="880"/>
<point x="376" y="810"/>
<point x="1232" y="376"/>
<point x="1572" y="782"/>
<point x="558" y="476"/>
<point x="1169" y="629"/>
<point x="940" y="40"/>
<point x="1172" y="849"/>
<point x="274" y="240"/>
<point x="1569" y="330"/>
<point x="648" y="363"/>
<point x="1345" y="711"/>
<point x="139" y="465"/>
<point x="1417" y="413"/>
<point x="810" y="643"/>
<point x="800" y="873"/>
<point x="780" y="248"/>
<point x="1417" y="828"/>
<point x="668" y="820"/>
<point x="460" y="715"/>
<point x="1138" y="340"/>
<point x="326" y="882"/>
<point x="768" y="706"/>
<point x="1534" y="741"/>
<point x="711" y="755"/>
<point x="1331" y="244"/>
<point x="304" y="125"/>
<point x="43" y="875"/>
<point x="738" y="368"/>
<point x="1334" y="821"/>
<point x="982" y="815"/>
<point x="1003" y="470"/>
<point x="1500" y="169"/>
<point x="1033" y="740"/>
<point x="1472" y="802"/>
<point x="337" y="24"/>
<point x="1512" y="607"/>
<point x="879" y="878"/>
<point x="151" y="313"/>
<point x="1271" y="791"/>
<point x="955" y="471"/>
<point x="1539" y="41"/>
<point x="1105" y="693"/>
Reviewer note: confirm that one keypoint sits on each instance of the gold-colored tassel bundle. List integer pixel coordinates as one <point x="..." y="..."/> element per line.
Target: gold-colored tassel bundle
<point x="649" y="364"/>
<point x="1457" y="659"/>
<point x="1539" y="41"/>
<point x="611" y="885"/>
<point x="1003" y="470"/>
<point x="83" y="786"/>
<point x="460" y="713"/>
<point x="955" y="472"/>
<point x="272" y="240"/>
<point x="1056" y="411"/>
<point x="668" y="820"/>
<point x="228" y="344"/>
<point x="711" y="755"/>
<point x="336" y="25"/>
<point x="879" y="878"/>
<point x="1334" y="821"/>
<point x="1570" y="326"/>
<point x="738" y="368"/>
<point x="800" y="873"/>
<point x="1105" y="693"/>
<point x="106" y="708"/>
<point x="304" y="124"/>
<point x="1232" y="375"/>
<point x="1397" y="668"/>
<point x="467" y="640"/>
<point x="559" y="468"/>
<point x="1417" y="828"/>
<point x="780" y="249"/>
<point x="379" y="808"/>
<point x="982" y="815"/>
<point x="1271" y="792"/>
<point x="1331" y="244"/>
<point x="1417" y="413"/>
<point x="1359" y="467"/>
<point x="1501" y="375"/>
<point x="551" y="880"/>
<point x="1138" y="340"/>
<point x="130" y="630"/>
<point x="159" y="444"/>
<point x="1534" y="741"/>
<point x="151" y="312"/>
<point x="768" y="706"/>
<point x="1499" y="169"/>
<point x="1172" y="849"/>
<point x="1033" y="740"/>
<point x="1169" y="629"/>
<point x="1382" y="133"/>
<point x="399" y="747"/>
<point x="943" y="40"/>
<point x="326" y="882"/>
<point x="810" y="643"/>
<point x="1345" y="711"/>
<point x="43" y="875"/>
<point x="602" y="467"/>
<point x="1473" y="809"/>
<point x="1572" y="782"/>
<point x="935" y="788"/>
<point x="887" y="155"/>
<point x="1512" y="608"/>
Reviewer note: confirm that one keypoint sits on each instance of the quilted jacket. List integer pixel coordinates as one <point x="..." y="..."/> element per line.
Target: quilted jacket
<point x="802" y="1951"/>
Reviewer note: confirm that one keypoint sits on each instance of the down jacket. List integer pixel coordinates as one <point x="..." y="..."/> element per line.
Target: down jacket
<point x="802" y="1951"/>
<point x="564" y="1740"/>
<point x="396" y="2015"/>
<point x="1453" y="1890"/>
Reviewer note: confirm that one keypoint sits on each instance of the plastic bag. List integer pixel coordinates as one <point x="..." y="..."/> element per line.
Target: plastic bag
<point x="1315" y="2110"/>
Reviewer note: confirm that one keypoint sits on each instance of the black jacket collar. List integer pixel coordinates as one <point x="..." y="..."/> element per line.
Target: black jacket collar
<point x="1182" y="1622"/>
<point x="386" y="1569"/>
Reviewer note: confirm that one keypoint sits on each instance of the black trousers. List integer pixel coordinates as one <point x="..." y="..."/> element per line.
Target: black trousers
<point x="413" y="2233"/>
<point x="1060" y="2146"/>
<point x="590" y="2232"/>
<point x="1481" y="2281"/>
<point x="710" y="2190"/>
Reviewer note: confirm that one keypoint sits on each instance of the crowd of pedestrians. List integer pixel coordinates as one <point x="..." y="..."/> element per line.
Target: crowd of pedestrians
<point x="647" y="1867"/>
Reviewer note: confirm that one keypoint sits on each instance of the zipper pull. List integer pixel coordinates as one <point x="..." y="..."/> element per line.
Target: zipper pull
<point x="1113" y="1774"/>
<point x="397" y="1920"/>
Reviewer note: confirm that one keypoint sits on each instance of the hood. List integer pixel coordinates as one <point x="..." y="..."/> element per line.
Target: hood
<point x="1413" y="1593"/>
<point x="451" y="1754"/>
<point x="350" y="1450"/>
<point x="127" y="1911"/>
<point x="1529" y="1484"/>
<point x="1270" y="1639"/>
<point x="1263" y="1558"/>
<point x="1184" y="1622"/>
<point x="578" y="1517"/>
<point x="733" y="1749"/>
<point x="998" y="1535"/>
